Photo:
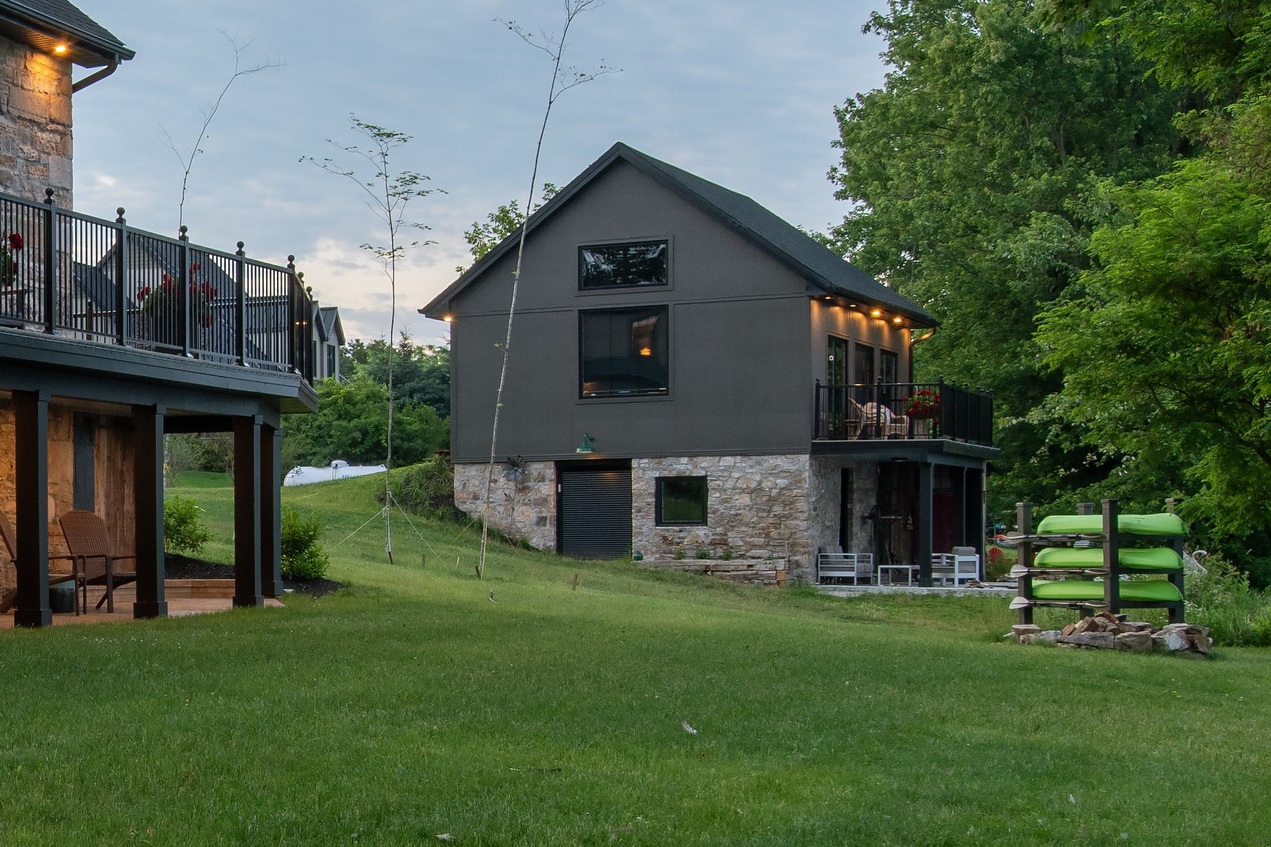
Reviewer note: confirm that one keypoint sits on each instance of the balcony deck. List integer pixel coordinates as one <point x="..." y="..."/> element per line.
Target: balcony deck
<point x="904" y="412"/>
<point x="96" y="282"/>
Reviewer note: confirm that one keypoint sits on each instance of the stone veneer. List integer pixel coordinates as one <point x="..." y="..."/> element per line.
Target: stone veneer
<point x="756" y="508"/>
<point x="522" y="500"/>
<point x="35" y="123"/>
<point x="825" y="486"/>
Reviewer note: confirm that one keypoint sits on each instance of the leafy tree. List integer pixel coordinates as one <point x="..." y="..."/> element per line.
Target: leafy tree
<point x="352" y="424"/>
<point x="482" y="237"/>
<point x="421" y="373"/>
<point x="972" y="176"/>
<point x="1164" y="346"/>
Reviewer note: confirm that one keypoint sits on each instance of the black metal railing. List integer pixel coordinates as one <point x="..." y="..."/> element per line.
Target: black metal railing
<point x="102" y="281"/>
<point x="904" y="410"/>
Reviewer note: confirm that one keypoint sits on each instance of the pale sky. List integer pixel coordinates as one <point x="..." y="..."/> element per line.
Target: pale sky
<point x="740" y="92"/>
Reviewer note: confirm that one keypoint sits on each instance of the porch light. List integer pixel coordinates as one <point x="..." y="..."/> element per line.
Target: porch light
<point x="60" y="49"/>
<point x="875" y="312"/>
<point x="588" y="445"/>
<point x="898" y="320"/>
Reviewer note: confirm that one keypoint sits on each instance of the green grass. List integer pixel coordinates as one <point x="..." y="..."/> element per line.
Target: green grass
<point x="409" y="705"/>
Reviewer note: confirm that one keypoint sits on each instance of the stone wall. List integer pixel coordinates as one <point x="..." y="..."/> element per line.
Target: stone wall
<point x="522" y="500"/>
<point x="826" y="489"/>
<point x="757" y="508"/>
<point x="35" y="124"/>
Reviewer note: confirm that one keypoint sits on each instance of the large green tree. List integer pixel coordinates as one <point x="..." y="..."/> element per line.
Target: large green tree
<point x="1164" y="345"/>
<point x="421" y="372"/>
<point x="972" y="176"/>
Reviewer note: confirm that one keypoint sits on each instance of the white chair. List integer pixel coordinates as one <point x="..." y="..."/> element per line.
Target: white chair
<point x="833" y="563"/>
<point x="879" y="417"/>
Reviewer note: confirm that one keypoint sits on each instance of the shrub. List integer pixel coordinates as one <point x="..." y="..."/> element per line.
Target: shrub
<point x="184" y="530"/>
<point x="302" y="557"/>
<point x="1222" y="600"/>
<point x="427" y="488"/>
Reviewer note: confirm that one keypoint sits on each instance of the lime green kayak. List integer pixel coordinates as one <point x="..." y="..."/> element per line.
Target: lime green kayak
<point x="1146" y="591"/>
<point x="1129" y="558"/>
<point x="1163" y="523"/>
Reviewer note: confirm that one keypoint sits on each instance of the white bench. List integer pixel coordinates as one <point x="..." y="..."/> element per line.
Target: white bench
<point x="833" y="563"/>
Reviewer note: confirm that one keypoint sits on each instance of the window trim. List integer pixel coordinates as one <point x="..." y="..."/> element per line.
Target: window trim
<point x="600" y="289"/>
<point x="657" y="500"/>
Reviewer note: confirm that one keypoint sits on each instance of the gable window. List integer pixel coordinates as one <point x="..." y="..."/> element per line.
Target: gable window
<point x="637" y="263"/>
<point x="681" y="501"/>
<point x="623" y="352"/>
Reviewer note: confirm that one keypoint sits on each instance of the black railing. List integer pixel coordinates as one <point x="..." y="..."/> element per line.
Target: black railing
<point x="95" y="280"/>
<point x="902" y="410"/>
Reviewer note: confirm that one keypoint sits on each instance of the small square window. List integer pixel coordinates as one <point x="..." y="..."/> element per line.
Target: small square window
<point x="623" y="352"/>
<point x="638" y="263"/>
<point x="681" y="501"/>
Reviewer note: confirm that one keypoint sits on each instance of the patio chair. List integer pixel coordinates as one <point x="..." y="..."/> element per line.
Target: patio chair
<point x="892" y="425"/>
<point x="833" y="563"/>
<point x="89" y="545"/>
<point x="10" y="536"/>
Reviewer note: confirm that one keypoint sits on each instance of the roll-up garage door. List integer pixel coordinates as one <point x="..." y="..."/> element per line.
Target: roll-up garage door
<point x="594" y="517"/>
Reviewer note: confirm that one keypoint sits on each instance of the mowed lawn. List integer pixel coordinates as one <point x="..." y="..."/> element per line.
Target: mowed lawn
<point x="412" y="705"/>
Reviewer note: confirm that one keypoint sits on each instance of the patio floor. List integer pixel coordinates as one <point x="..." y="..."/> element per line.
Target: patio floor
<point x="984" y="589"/>
<point x="184" y="596"/>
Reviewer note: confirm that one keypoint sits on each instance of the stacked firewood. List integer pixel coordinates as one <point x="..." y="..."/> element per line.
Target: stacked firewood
<point x="1106" y="631"/>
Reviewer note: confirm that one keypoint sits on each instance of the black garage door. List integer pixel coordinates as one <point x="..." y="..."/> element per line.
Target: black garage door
<point x="594" y="509"/>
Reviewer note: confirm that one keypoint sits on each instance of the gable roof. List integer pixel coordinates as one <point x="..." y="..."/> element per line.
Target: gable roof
<point x="825" y="271"/>
<point x="330" y="326"/>
<point x="42" y="23"/>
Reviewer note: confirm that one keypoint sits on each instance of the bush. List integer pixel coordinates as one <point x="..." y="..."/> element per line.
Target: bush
<point x="183" y="528"/>
<point x="1222" y="600"/>
<point x="427" y="488"/>
<point x="302" y="557"/>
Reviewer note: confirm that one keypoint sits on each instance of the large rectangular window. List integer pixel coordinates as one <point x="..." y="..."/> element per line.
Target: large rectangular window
<point x="623" y="352"/>
<point x="622" y="265"/>
<point x="681" y="501"/>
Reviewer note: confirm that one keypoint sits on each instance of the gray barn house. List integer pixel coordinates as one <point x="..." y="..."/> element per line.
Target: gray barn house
<point x="690" y="371"/>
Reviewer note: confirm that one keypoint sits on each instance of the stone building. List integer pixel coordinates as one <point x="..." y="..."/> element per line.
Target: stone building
<point x="691" y="375"/>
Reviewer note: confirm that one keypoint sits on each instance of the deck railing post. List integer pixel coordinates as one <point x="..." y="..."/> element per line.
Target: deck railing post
<point x="185" y="298"/>
<point x="240" y="306"/>
<point x="121" y="275"/>
<point x="50" y="262"/>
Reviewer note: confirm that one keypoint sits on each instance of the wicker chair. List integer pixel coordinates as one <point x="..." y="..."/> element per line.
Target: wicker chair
<point x="89" y="546"/>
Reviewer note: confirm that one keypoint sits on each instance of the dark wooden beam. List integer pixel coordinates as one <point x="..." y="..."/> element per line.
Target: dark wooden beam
<point x="183" y="424"/>
<point x="247" y="536"/>
<point x="31" y="471"/>
<point x="926" y="484"/>
<point x="147" y="445"/>
<point x="271" y="511"/>
<point x="1024" y="526"/>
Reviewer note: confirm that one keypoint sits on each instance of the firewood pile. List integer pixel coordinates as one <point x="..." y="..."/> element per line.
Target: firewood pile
<point x="1106" y="631"/>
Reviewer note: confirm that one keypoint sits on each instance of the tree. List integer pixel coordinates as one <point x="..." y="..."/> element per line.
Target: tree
<point x="972" y="175"/>
<point x="499" y="224"/>
<point x="1164" y="345"/>
<point x="421" y="373"/>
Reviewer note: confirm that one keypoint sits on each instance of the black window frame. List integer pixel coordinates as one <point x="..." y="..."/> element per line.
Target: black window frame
<point x="659" y="337"/>
<point x="625" y="247"/>
<point x="659" y="497"/>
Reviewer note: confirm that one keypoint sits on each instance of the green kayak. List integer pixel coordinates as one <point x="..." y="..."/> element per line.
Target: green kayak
<point x="1153" y="591"/>
<point x="1130" y="558"/>
<point x="1164" y="524"/>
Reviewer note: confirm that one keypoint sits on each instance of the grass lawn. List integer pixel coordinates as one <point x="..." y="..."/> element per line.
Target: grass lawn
<point x="411" y="705"/>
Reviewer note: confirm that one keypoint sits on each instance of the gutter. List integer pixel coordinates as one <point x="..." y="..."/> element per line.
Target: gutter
<point x="98" y="76"/>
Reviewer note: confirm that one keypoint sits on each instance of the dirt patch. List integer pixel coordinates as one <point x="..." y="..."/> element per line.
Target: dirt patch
<point x="177" y="566"/>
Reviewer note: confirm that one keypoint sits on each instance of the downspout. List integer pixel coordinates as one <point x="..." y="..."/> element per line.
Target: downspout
<point x="96" y="77"/>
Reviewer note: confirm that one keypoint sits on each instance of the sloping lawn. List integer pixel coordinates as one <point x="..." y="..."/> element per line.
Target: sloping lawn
<point x="412" y="705"/>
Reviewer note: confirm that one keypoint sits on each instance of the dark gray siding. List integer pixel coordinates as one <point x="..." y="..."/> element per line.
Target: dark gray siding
<point x="740" y="336"/>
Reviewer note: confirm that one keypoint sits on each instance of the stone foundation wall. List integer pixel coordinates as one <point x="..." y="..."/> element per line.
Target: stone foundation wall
<point x="35" y="124"/>
<point x="522" y="500"/>
<point x="757" y="508"/>
<point x="826" y="489"/>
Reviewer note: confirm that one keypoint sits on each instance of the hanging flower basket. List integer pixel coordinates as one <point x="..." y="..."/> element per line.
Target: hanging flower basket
<point x="925" y="403"/>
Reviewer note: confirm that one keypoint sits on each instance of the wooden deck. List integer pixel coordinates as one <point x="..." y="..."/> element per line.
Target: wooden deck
<point x="184" y="596"/>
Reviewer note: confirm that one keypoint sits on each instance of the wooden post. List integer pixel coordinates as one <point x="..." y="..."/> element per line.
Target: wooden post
<point x="271" y="512"/>
<point x="1111" y="559"/>
<point x="1024" y="524"/>
<point x="31" y="471"/>
<point x="926" y="482"/>
<point x="147" y="445"/>
<point x="247" y="535"/>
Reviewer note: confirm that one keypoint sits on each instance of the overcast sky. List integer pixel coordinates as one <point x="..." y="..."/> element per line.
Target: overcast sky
<point x="740" y="92"/>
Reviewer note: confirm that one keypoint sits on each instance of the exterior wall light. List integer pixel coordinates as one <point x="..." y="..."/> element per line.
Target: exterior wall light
<point x="588" y="445"/>
<point x="449" y="319"/>
<point x="60" y="49"/>
<point x="875" y="312"/>
<point x="898" y="320"/>
<point x="646" y="351"/>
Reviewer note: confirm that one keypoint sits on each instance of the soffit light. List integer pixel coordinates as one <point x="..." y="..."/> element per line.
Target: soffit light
<point x="875" y="312"/>
<point x="60" y="49"/>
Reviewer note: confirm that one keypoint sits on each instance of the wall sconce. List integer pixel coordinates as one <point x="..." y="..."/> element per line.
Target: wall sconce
<point x="588" y="445"/>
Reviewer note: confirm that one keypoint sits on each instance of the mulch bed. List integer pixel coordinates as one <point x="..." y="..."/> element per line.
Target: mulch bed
<point x="177" y="566"/>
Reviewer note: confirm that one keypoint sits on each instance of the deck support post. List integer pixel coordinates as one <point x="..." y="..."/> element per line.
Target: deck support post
<point x="247" y="502"/>
<point x="31" y="471"/>
<point x="147" y="429"/>
<point x="926" y="511"/>
<point x="271" y="511"/>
